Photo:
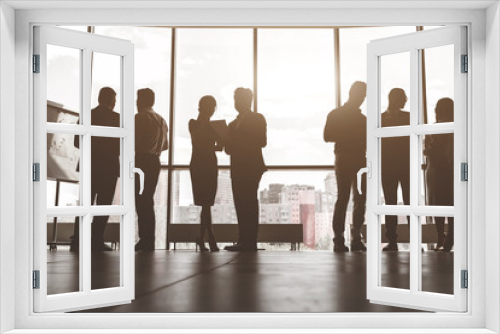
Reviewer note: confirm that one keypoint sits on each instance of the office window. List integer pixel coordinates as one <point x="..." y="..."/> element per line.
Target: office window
<point x="296" y="90"/>
<point x="299" y="197"/>
<point x="152" y="55"/>
<point x="353" y="42"/>
<point x="208" y="62"/>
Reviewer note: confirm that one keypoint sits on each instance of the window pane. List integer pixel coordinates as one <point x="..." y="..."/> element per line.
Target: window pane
<point x="63" y="170"/>
<point x="394" y="89"/>
<point x="436" y="181"/>
<point x="152" y="54"/>
<point x="106" y="73"/>
<point x="439" y="80"/>
<point x="63" y="83"/>
<point x="395" y="171"/>
<point x="106" y="257"/>
<point x="395" y="260"/>
<point x="302" y="198"/>
<point x="105" y="171"/>
<point x="209" y="62"/>
<point x="437" y="263"/>
<point x="184" y="210"/>
<point x="63" y="265"/>
<point x="353" y="42"/>
<point x="296" y="91"/>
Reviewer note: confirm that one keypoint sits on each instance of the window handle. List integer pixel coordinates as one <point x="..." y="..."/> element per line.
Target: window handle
<point x="139" y="171"/>
<point x="366" y="170"/>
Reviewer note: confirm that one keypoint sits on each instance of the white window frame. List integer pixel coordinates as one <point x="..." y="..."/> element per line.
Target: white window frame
<point x="411" y="44"/>
<point x="483" y="101"/>
<point x="86" y="44"/>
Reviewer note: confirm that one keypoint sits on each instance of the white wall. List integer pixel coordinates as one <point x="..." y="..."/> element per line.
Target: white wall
<point x="7" y="163"/>
<point x="492" y="162"/>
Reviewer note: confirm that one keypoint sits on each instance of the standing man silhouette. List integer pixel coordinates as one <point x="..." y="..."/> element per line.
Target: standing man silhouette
<point x="247" y="137"/>
<point x="395" y="162"/>
<point x="346" y="127"/>
<point x="105" y="167"/>
<point x="150" y="140"/>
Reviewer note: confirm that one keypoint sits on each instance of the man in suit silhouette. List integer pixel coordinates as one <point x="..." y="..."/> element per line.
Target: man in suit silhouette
<point x="150" y="140"/>
<point x="346" y="127"/>
<point x="247" y="137"/>
<point x="105" y="167"/>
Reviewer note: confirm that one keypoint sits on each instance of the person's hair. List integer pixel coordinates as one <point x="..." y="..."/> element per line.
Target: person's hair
<point x="357" y="88"/>
<point x="396" y="93"/>
<point x="145" y="98"/>
<point x="243" y="95"/>
<point x="206" y="102"/>
<point x="106" y="96"/>
<point x="444" y="109"/>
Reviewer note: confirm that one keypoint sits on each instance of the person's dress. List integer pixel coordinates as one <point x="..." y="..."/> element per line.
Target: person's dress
<point x="203" y="166"/>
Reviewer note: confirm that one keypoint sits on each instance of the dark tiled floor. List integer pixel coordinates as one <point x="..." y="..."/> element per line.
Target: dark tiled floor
<point x="266" y="281"/>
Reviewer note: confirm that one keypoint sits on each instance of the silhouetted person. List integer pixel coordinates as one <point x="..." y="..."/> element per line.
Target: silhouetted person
<point x="150" y="140"/>
<point x="395" y="162"/>
<point x="203" y="168"/>
<point x="439" y="172"/>
<point x="247" y="137"/>
<point x="105" y="167"/>
<point x="346" y="127"/>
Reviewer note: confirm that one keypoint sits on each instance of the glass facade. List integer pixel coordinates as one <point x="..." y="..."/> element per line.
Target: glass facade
<point x="293" y="75"/>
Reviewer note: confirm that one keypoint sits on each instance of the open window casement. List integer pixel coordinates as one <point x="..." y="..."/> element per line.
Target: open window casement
<point x="396" y="62"/>
<point x="62" y="67"/>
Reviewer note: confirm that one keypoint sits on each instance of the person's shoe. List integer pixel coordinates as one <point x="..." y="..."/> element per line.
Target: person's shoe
<point x="241" y="248"/>
<point x="440" y="243"/>
<point x="391" y="247"/>
<point x="340" y="248"/>
<point x="144" y="246"/>
<point x="201" y="245"/>
<point x="358" y="247"/>
<point x="100" y="247"/>
<point x="448" y="245"/>
<point x="213" y="245"/>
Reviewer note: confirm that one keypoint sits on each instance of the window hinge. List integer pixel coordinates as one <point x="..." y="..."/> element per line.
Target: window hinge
<point x="36" y="63"/>
<point x="36" y="279"/>
<point x="36" y="172"/>
<point x="464" y="171"/>
<point x="464" y="279"/>
<point x="465" y="64"/>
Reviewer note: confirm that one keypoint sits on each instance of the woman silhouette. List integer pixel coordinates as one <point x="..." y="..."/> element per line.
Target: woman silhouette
<point x="203" y="168"/>
<point x="439" y="172"/>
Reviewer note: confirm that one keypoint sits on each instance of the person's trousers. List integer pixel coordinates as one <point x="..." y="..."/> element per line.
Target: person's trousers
<point x="246" y="204"/>
<point x="144" y="204"/>
<point x="390" y="181"/>
<point x="346" y="170"/>
<point x="103" y="187"/>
